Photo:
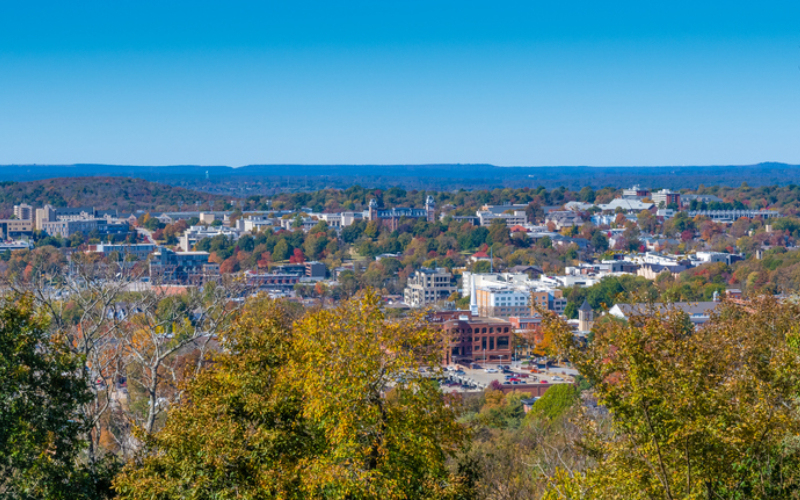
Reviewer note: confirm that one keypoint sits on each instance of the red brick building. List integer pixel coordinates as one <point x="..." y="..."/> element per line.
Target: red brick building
<point x="477" y="339"/>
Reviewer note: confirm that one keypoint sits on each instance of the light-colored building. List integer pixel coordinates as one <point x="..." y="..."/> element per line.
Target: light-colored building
<point x="23" y="212"/>
<point x="514" y="218"/>
<point x="196" y="233"/>
<point x="666" y="197"/>
<point x="12" y="228"/>
<point x="206" y="218"/>
<point x="138" y="252"/>
<point x="427" y="286"/>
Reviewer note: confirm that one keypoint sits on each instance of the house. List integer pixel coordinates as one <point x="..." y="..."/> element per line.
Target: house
<point x="565" y="218"/>
<point x="479" y="256"/>
<point x="698" y="312"/>
<point x="531" y="271"/>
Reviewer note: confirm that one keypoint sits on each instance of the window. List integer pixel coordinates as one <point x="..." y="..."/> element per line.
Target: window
<point x="491" y="343"/>
<point x="502" y="342"/>
<point x="483" y="343"/>
<point x="455" y="351"/>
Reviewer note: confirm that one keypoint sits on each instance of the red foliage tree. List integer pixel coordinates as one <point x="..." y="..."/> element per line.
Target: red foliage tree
<point x="297" y="257"/>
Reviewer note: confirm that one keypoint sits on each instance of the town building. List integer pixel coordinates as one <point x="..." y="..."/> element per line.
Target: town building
<point x="509" y="218"/>
<point x="697" y="312"/>
<point x="475" y="339"/>
<point x="194" y="234"/>
<point x="667" y="198"/>
<point x="137" y="252"/>
<point x="635" y="193"/>
<point x="23" y="212"/>
<point x="427" y="286"/>
<point x="272" y="281"/>
<point x="67" y="227"/>
<point x="171" y="267"/>
<point x="734" y="215"/>
<point x="391" y="217"/>
<point x="14" y="228"/>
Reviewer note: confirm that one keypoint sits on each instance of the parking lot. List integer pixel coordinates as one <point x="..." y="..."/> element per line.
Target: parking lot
<point x="464" y="379"/>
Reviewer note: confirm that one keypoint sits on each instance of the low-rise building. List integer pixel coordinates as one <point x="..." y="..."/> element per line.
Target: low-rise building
<point x="510" y="218"/>
<point x="137" y="252"/>
<point x="14" y="228"/>
<point x="168" y="267"/>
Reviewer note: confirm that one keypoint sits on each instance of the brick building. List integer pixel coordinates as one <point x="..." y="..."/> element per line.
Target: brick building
<point x="477" y="339"/>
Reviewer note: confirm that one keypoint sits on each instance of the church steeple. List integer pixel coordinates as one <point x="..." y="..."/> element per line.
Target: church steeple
<point x="585" y="317"/>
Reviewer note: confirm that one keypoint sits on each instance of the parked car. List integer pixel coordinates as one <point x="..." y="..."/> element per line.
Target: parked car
<point x="523" y="375"/>
<point x="558" y="378"/>
<point x="490" y="370"/>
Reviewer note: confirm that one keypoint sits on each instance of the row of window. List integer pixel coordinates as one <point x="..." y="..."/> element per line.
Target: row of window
<point x="485" y="344"/>
<point x="500" y="329"/>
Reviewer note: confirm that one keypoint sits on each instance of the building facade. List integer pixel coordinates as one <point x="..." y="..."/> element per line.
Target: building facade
<point x="427" y="286"/>
<point x="183" y="268"/>
<point x="391" y="217"/>
<point x="475" y="339"/>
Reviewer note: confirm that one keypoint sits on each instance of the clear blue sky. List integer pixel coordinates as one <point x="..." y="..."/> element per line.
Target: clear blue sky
<point x="509" y="83"/>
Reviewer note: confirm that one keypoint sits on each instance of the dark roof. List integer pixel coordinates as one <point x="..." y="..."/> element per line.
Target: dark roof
<point x="525" y="269"/>
<point x="585" y="306"/>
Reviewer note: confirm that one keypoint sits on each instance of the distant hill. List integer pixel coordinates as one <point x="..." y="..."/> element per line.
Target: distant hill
<point x="122" y="193"/>
<point x="269" y="179"/>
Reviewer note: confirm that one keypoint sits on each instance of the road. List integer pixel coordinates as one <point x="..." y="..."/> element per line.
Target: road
<point x="147" y="234"/>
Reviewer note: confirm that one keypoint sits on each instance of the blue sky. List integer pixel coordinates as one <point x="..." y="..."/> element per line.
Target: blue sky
<point x="509" y="83"/>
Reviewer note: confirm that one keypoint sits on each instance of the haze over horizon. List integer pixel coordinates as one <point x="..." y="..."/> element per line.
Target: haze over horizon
<point x="517" y="84"/>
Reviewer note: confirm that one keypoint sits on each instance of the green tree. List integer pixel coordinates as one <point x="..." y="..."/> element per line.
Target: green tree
<point x="41" y="431"/>
<point x="281" y="251"/>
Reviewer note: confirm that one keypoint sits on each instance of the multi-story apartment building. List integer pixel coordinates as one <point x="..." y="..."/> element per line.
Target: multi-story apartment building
<point x="427" y="286"/>
<point x="503" y="295"/>
<point x="501" y="302"/>
<point x="470" y="338"/>
<point x="666" y="197"/>
<point x="23" y="212"/>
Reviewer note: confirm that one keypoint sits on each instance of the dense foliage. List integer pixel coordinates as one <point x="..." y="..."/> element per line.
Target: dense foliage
<point x="122" y="193"/>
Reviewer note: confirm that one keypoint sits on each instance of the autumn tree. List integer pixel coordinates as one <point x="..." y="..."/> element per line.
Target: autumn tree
<point x="696" y="413"/>
<point x="332" y="407"/>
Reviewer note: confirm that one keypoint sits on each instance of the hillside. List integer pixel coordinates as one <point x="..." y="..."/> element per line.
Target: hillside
<point x="270" y="179"/>
<point x="122" y="193"/>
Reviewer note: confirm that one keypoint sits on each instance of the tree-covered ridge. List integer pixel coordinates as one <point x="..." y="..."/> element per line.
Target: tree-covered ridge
<point x="122" y="193"/>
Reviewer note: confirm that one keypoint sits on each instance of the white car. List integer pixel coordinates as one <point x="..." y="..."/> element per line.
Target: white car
<point x="558" y="379"/>
<point x="490" y="370"/>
